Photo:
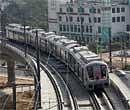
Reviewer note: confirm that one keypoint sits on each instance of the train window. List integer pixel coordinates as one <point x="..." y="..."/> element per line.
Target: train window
<point x="90" y="72"/>
<point x="70" y="60"/>
<point x="78" y="69"/>
<point x="74" y="62"/>
<point x="103" y="70"/>
<point x="97" y="71"/>
<point x="82" y="74"/>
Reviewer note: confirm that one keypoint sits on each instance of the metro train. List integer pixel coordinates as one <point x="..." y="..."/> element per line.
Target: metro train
<point x="87" y="66"/>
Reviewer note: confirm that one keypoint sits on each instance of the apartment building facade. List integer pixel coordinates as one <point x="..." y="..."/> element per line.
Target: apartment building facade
<point x="85" y="21"/>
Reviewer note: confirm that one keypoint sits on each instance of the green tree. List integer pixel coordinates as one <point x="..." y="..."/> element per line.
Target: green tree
<point x="33" y="11"/>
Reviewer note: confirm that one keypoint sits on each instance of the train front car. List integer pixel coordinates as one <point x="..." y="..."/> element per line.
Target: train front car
<point x="98" y="75"/>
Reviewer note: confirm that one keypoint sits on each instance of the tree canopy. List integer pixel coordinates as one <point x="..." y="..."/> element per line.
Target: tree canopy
<point x="33" y="12"/>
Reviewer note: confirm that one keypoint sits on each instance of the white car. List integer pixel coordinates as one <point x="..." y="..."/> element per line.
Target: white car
<point x="121" y="53"/>
<point x="121" y="74"/>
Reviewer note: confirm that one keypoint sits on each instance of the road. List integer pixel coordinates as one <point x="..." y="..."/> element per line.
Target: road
<point x="116" y="61"/>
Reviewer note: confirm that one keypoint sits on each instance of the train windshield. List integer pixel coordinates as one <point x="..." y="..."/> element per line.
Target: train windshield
<point x="90" y="72"/>
<point x="103" y="71"/>
<point x="97" y="72"/>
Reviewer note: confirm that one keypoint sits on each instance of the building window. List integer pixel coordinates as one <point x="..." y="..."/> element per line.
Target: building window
<point x="78" y="28"/>
<point x="113" y="10"/>
<point x="82" y="19"/>
<point x="87" y="29"/>
<point x="71" y="18"/>
<point x="81" y="10"/>
<point x="113" y="19"/>
<point x="127" y="27"/>
<point x="91" y="30"/>
<point x="82" y="28"/>
<point x="60" y="9"/>
<point x="66" y="19"/>
<point x="123" y="18"/>
<point x="90" y="20"/>
<point x="95" y="19"/>
<point x="64" y="27"/>
<point x="99" y="29"/>
<point x="92" y="10"/>
<point x="71" y="28"/>
<point x="60" y="18"/>
<point x="67" y="28"/>
<point x="60" y="27"/>
<point x="118" y="19"/>
<point x="69" y="9"/>
<point x="98" y="10"/>
<point x="99" y="19"/>
<point x="78" y="20"/>
<point x="123" y="9"/>
<point x="75" y="28"/>
<point x="118" y="10"/>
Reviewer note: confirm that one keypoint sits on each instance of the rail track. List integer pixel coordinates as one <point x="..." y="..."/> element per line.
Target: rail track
<point x="98" y="101"/>
<point x="56" y="87"/>
<point x="65" y="97"/>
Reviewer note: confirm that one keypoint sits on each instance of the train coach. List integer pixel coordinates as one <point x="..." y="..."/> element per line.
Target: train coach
<point x="87" y="66"/>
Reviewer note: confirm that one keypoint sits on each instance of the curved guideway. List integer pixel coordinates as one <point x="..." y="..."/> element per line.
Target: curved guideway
<point x="79" y="92"/>
<point x="48" y="95"/>
<point x="77" y="89"/>
<point x="122" y="90"/>
<point x="115" y="99"/>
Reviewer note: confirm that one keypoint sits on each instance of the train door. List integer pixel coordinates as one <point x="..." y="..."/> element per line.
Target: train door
<point x="56" y="50"/>
<point x="45" y="44"/>
<point x="104" y="71"/>
<point x="78" y="69"/>
<point x="90" y="72"/>
<point x="82" y="74"/>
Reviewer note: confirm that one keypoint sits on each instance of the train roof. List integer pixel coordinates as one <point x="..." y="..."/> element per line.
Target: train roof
<point x="33" y="31"/>
<point x="87" y="54"/>
<point x="46" y="34"/>
<point x="80" y="48"/>
<point x="55" y="37"/>
<point x="66" y="42"/>
<point x="49" y="33"/>
<point x="83" y="54"/>
<point x="18" y="27"/>
<point x="14" y="25"/>
<point x="69" y="46"/>
<point x="98" y="62"/>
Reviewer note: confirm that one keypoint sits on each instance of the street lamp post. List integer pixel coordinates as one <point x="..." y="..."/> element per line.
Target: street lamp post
<point x="80" y="11"/>
<point x="3" y="25"/>
<point x="110" y="51"/>
<point x="82" y="30"/>
<point x="38" y="84"/>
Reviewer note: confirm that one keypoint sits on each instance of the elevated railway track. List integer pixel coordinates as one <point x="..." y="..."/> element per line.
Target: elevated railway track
<point x="92" y="101"/>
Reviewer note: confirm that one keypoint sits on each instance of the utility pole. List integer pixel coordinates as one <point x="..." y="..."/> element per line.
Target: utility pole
<point x="25" y="37"/>
<point x="110" y="51"/>
<point x="38" y="72"/>
<point x="14" y="95"/>
<point x="125" y="50"/>
<point x="80" y="11"/>
<point x="82" y="29"/>
<point x="68" y="17"/>
<point x="3" y="25"/>
<point x="122" y="43"/>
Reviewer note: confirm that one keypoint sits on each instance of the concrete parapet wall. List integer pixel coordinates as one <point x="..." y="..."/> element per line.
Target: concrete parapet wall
<point x="8" y="52"/>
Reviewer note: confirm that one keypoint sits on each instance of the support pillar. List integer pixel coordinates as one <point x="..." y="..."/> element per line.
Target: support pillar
<point x="11" y="70"/>
<point x="11" y="79"/>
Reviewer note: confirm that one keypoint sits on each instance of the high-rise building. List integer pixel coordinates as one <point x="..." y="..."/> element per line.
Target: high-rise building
<point x="84" y="20"/>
